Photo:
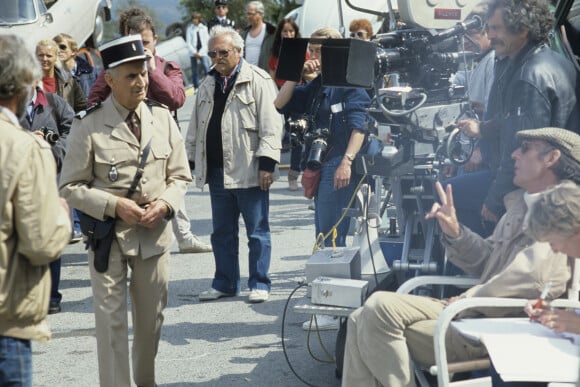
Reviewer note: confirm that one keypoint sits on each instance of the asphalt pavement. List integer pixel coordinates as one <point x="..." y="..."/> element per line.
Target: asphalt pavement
<point x="228" y="342"/>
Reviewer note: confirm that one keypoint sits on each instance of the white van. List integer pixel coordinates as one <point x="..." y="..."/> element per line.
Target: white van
<point x="34" y="20"/>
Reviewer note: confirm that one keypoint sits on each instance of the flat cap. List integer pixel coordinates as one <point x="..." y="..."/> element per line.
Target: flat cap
<point x="122" y="50"/>
<point x="221" y="2"/>
<point x="565" y="140"/>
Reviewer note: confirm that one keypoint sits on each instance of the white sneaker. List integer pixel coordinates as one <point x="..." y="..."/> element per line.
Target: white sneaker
<point x="213" y="294"/>
<point x="193" y="245"/>
<point x="258" y="295"/>
<point x="321" y="322"/>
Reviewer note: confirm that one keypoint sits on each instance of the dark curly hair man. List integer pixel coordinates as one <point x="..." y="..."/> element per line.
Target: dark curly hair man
<point x="534" y="87"/>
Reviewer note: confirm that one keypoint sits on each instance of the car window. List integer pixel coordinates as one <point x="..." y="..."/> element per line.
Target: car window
<point x="17" y="12"/>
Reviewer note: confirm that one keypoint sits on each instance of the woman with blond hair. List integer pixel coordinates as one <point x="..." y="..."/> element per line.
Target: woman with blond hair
<point x="55" y="79"/>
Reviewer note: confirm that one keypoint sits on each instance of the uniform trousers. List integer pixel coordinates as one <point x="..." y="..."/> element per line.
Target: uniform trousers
<point x="387" y="332"/>
<point x="148" y="289"/>
<point x="181" y="224"/>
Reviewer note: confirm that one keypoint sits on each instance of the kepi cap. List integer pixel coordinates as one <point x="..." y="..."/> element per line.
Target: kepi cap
<point x="221" y="2"/>
<point x="122" y="50"/>
<point x="565" y="140"/>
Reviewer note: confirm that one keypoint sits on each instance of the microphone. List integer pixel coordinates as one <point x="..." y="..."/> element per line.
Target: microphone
<point x="474" y="22"/>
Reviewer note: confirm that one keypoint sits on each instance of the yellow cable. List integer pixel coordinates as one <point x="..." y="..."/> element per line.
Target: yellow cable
<point x="317" y="244"/>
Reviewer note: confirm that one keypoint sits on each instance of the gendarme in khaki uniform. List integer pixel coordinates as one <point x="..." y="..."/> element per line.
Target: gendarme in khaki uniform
<point x="102" y="159"/>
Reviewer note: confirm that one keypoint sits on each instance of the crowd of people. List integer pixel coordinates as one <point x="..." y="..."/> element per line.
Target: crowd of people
<point x="109" y="145"/>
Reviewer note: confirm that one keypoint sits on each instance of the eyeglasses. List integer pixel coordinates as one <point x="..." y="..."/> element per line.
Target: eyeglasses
<point x="360" y="34"/>
<point x="63" y="47"/>
<point x="222" y="53"/>
<point x="221" y="6"/>
<point x="251" y="13"/>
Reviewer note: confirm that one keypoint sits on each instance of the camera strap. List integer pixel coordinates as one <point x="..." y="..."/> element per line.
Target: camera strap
<point x="140" y="169"/>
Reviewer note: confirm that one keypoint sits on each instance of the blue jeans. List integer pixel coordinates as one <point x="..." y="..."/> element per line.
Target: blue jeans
<point x="226" y="206"/>
<point x="15" y="362"/>
<point x="55" y="295"/>
<point x="204" y="61"/>
<point x="330" y="203"/>
<point x="296" y="157"/>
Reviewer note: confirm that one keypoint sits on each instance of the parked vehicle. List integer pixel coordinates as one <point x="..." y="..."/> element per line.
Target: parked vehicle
<point x="175" y="49"/>
<point x="34" y="20"/>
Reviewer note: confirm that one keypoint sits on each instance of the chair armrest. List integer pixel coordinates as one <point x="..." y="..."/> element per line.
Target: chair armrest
<point x="449" y="314"/>
<point x="459" y="306"/>
<point x="415" y="282"/>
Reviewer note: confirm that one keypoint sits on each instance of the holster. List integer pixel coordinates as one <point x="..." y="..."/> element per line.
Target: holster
<point x="100" y="235"/>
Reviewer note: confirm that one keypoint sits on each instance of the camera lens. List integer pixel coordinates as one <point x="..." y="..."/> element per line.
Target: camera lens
<point x="316" y="154"/>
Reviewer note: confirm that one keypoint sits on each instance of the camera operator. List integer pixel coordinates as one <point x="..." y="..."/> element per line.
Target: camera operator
<point x="533" y="87"/>
<point x="341" y="113"/>
<point x="50" y="117"/>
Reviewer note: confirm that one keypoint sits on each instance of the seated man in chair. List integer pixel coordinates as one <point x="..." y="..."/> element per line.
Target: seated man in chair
<point x="390" y="329"/>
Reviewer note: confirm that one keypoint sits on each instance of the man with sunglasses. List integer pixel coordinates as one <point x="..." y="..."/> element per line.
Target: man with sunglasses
<point x="234" y="138"/>
<point x="533" y="87"/>
<point x="390" y="329"/>
<point x="221" y="16"/>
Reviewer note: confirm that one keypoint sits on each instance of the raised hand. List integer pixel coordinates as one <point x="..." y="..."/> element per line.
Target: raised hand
<point x="444" y="212"/>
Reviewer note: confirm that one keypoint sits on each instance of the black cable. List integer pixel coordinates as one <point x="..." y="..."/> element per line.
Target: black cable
<point x="283" y="343"/>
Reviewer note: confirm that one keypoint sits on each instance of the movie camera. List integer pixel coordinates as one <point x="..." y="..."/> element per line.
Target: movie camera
<point x="408" y="71"/>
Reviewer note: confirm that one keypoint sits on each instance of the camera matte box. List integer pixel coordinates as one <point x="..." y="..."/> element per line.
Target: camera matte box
<point x="348" y="63"/>
<point x="291" y="59"/>
<point x="341" y="262"/>
<point x="343" y="292"/>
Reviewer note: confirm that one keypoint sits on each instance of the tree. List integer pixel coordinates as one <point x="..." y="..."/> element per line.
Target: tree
<point x="112" y="27"/>
<point x="274" y="9"/>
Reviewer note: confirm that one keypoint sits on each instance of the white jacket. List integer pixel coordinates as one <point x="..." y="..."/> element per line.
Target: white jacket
<point x="251" y="127"/>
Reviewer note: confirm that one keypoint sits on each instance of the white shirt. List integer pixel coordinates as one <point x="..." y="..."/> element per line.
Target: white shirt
<point x="254" y="46"/>
<point x="191" y="38"/>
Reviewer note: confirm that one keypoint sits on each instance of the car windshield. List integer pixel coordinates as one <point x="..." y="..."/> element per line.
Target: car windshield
<point x="17" y="12"/>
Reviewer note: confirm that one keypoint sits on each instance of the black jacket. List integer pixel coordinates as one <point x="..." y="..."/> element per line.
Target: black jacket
<point x="535" y="90"/>
<point x="215" y="21"/>
<point x="53" y="113"/>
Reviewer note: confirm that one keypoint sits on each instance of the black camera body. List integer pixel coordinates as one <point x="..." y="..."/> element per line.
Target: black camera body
<point x="50" y="135"/>
<point x="297" y="127"/>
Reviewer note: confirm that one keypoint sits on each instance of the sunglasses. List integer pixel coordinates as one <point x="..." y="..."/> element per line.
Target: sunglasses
<point x="222" y="53"/>
<point x="360" y="34"/>
<point x="221" y="6"/>
<point x="63" y="47"/>
<point x="525" y="146"/>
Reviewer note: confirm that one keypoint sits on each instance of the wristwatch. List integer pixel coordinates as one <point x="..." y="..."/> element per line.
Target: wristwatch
<point x="350" y="156"/>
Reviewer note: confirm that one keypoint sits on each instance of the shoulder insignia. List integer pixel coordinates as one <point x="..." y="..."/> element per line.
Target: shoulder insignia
<point x="82" y="114"/>
<point x="152" y="103"/>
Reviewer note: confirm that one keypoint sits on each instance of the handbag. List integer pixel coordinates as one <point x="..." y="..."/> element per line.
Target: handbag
<point x="310" y="182"/>
<point x="100" y="233"/>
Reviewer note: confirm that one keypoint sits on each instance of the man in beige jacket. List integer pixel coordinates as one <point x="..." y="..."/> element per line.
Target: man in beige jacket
<point x="104" y="152"/>
<point x="390" y="328"/>
<point x="234" y="138"/>
<point x="34" y="222"/>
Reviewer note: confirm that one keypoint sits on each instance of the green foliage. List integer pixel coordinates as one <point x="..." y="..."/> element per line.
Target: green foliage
<point x="275" y="9"/>
<point x="112" y="27"/>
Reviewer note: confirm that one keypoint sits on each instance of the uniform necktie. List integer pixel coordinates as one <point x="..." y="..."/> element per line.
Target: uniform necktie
<point x="134" y="124"/>
<point x="198" y="46"/>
